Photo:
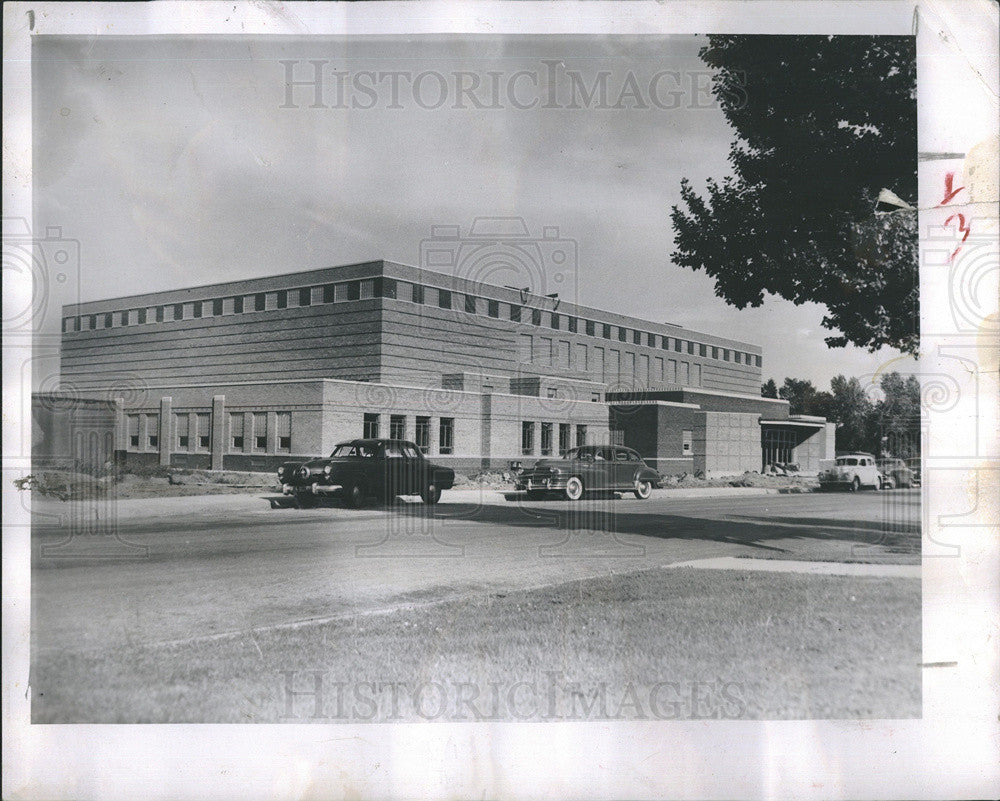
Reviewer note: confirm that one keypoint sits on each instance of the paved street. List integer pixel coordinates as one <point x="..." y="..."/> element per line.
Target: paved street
<point x="202" y="566"/>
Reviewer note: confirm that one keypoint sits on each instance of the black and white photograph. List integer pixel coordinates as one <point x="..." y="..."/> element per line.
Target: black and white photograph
<point x="510" y="400"/>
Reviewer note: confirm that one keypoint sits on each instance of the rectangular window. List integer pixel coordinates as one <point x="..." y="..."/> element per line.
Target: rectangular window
<point x="515" y="313"/>
<point x="679" y="345"/>
<point x="422" y="434"/>
<point x="686" y="443"/>
<point x="725" y="354"/>
<point x="493" y="308"/>
<point x="260" y="431"/>
<point x="195" y="311"/>
<point x="696" y="375"/>
<point x="217" y="307"/>
<point x="685" y="376"/>
<point x="546" y="439"/>
<point x="536" y="316"/>
<point x="527" y="438"/>
<point x="637" y="338"/>
<point x="444" y="299"/>
<point x="665" y="343"/>
<point x="702" y="350"/>
<point x="236" y="431"/>
<point x="370" y="426"/>
<point x="672" y="371"/>
<point x="282" y="301"/>
<point x="737" y="357"/>
<point x="590" y="328"/>
<point x="470" y="304"/>
<point x="238" y="305"/>
<point x="125" y="318"/>
<point x="524" y="348"/>
<point x="259" y="302"/>
<point x="446" y="436"/>
<point x="581" y="436"/>
<point x="203" y="431"/>
<point x="397" y="426"/>
<point x="715" y="352"/>
<point x="598" y="368"/>
<point x="181" y="422"/>
<point x="563" y="438"/>
<point x="418" y="293"/>
<point x="554" y="321"/>
<point x="658" y="369"/>
<point x="571" y="324"/>
<point x="643" y="377"/>
<point x="651" y="340"/>
<point x="757" y="361"/>
<point x="622" y="334"/>
<point x="329" y="293"/>
<point x="133" y="431"/>
<point x="152" y="431"/>
<point x="107" y="321"/>
<point x="690" y="348"/>
<point x="305" y="297"/>
<point x="562" y="359"/>
<point x="283" y="431"/>
<point x="92" y="322"/>
<point x="607" y="331"/>
<point x="353" y="289"/>
<point x="366" y="289"/>
<point x="386" y="288"/>
<point x="580" y="364"/>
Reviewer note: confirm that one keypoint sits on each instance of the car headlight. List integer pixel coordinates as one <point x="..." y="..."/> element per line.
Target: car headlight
<point x="303" y="472"/>
<point x="327" y="470"/>
<point x="281" y="471"/>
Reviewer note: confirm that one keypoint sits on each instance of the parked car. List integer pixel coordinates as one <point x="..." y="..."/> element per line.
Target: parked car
<point x="898" y="471"/>
<point x="590" y="467"/>
<point x="851" y="471"/>
<point x="914" y="464"/>
<point x="361" y="468"/>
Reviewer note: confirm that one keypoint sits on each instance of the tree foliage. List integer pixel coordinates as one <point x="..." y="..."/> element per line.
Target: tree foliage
<point x="885" y="423"/>
<point x="822" y="124"/>
<point x="769" y="389"/>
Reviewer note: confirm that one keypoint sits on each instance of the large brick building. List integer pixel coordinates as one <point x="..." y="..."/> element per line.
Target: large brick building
<point x="245" y="374"/>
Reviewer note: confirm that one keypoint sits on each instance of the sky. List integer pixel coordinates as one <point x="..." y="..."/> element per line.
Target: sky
<point x="183" y="161"/>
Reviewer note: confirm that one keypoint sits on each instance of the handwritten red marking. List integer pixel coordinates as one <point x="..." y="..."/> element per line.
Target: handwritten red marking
<point x="949" y="193"/>
<point x="962" y="226"/>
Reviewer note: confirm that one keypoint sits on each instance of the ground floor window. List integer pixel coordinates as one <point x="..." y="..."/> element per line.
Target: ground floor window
<point x="446" y="435"/>
<point x="181" y="422"/>
<point x="686" y="442"/>
<point x="397" y="426"/>
<point x="133" y="431"/>
<point x="283" y="426"/>
<point x="546" y="439"/>
<point x="203" y="425"/>
<point x="563" y="438"/>
<point x="260" y="431"/>
<point x="581" y="435"/>
<point x="152" y="431"/>
<point x="422" y="433"/>
<point x="236" y="431"/>
<point x="527" y="438"/>
<point x="370" y="428"/>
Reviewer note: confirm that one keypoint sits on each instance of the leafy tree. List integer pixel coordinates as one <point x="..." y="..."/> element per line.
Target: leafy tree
<point x="897" y="416"/>
<point x="822" y="124"/>
<point x="851" y="410"/>
<point x="803" y="398"/>
<point x="769" y="389"/>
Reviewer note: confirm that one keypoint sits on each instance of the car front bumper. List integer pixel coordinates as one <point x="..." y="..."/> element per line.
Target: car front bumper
<point x="311" y="489"/>
<point x="541" y="483"/>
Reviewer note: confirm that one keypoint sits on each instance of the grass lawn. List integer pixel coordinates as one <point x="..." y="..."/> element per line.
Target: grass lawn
<point x="663" y="643"/>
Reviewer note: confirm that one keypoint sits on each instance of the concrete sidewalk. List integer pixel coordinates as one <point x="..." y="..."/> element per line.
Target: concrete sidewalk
<point x="810" y="568"/>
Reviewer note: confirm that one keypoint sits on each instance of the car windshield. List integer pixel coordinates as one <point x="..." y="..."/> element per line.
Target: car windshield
<point x="588" y="454"/>
<point x="358" y="449"/>
<point x="848" y="462"/>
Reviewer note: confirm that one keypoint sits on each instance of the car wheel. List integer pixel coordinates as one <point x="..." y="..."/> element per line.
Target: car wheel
<point x="856" y="484"/>
<point x="535" y="495"/>
<point x="643" y="489"/>
<point x="305" y="500"/>
<point x="354" y="495"/>
<point x="574" y="489"/>
<point x="431" y="493"/>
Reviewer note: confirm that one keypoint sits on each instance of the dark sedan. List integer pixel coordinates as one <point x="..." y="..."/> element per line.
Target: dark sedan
<point x="362" y="468"/>
<point x="590" y="467"/>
